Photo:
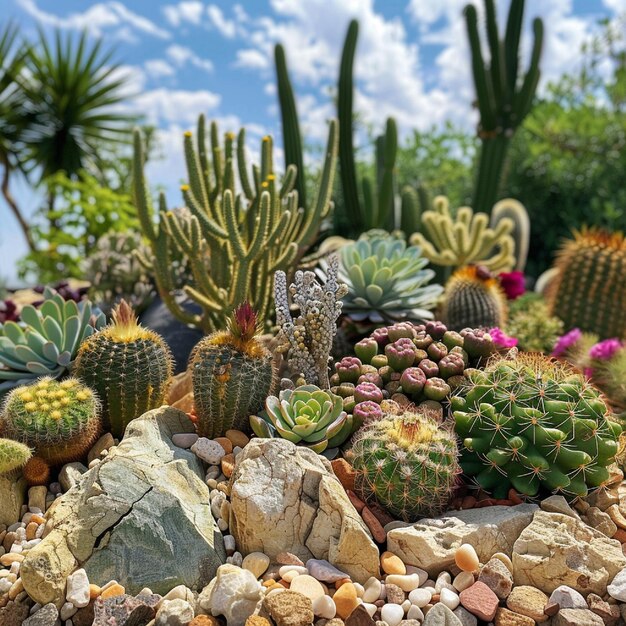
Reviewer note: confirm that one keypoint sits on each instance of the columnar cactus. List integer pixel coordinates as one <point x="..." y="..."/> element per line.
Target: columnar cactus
<point x="406" y="463"/>
<point x="129" y="366"/>
<point x="232" y="374"/>
<point x="59" y="420"/>
<point x="13" y="455"/>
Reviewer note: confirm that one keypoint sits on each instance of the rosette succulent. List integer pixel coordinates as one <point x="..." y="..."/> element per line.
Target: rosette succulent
<point x="306" y="415"/>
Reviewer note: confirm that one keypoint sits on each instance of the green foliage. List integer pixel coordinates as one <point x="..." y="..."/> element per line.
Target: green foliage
<point x="532" y="423"/>
<point x="60" y="420"/>
<point x="13" y="455"/>
<point x="533" y="326"/>
<point x="405" y="463"/>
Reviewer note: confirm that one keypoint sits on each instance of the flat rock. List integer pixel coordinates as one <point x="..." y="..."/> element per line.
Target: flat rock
<point x="556" y="550"/>
<point x="577" y="617"/>
<point x="431" y="543"/>
<point x="47" y="615"/>
<point x="441" y="615"/>
<point x="289" y="609"/>
<point x="285" y="498"/>
<point x="12" y="496"/>
<point x="141" y="517"/>
<point x="70" y="474"/>
<point x="528" y="601"/>
<point x="558" y="504"/>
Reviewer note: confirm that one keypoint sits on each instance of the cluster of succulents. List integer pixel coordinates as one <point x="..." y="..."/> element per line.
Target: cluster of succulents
<point x="407" y="362"/>
<point x="532" y="325"/>
<point x="532" y="423"/>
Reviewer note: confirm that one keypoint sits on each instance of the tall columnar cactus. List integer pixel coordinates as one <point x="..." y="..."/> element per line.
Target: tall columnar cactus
<point x="530" y="423"/>
<point x="589" y="289"/>
<point x="465" y="239"/>
<point x="503" y="97"/>
<point x="517" y="213"/>
<point x="232" y="374"/>
<point x="406" y="463"/>
<point x="234" y="241"/>
<point x="473" y="298"/>
<point x="59" y="420"/>
<point x="129" y="367"/>
<point x="13" y="456"/>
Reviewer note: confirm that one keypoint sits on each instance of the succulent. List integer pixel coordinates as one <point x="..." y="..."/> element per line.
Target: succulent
<point x="473" y="298"/>
<point x="45" y="343"/>
<point x="13" y="455"/>
<point x="306" y="415"/>
<point x="36" y="471"/>
<point x="406" y="463"/>
<point x="530" y="422"/>
<point x="129" y="367"/>
<point x="589" y="290"/>
<point x="232" y="374"/>
<point x="60" y="420"/>
<point x="530" y="322"/>
<point x="387" y="280"/>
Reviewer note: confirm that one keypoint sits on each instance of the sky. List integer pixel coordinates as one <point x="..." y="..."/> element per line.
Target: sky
<point x="190" y="57"/>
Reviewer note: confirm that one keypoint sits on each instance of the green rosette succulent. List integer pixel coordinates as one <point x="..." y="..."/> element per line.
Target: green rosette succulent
<point x="306" y="415"/>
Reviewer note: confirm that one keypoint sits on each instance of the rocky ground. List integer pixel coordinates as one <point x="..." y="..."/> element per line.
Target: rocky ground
<point x="155" y="529"/>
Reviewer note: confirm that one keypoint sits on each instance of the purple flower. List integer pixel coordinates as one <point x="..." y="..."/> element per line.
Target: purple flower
<point x="588" y="372"/>
<point x="501" y="339"/>
<point x="567" y="341"/>
<point x="604" y="350"/>
<point x="513" y="284"/>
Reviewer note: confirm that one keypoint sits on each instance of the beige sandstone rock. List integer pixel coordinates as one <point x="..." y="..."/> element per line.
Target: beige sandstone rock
<point x="12" y="497"/>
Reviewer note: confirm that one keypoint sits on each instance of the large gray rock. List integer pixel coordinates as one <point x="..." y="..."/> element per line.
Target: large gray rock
<point x="141" y="517"/>
<point x="12" y="497"/>
<point x="431" y="543"/>
<point x="285" y="498"/>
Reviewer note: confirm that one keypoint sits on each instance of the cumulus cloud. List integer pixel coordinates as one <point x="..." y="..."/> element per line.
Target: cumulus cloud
<point x="188" y="11"/>
<point x="228" y="28"/>
<point x="181" y="55"/>
<point x="158" y="68"/>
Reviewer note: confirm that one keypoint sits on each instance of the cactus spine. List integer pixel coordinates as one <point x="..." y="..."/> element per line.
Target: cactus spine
<point x="232" y="375"/>
<point x="13" y="456"/>
<point x="128" y="366"/>
<point x="36" y="471"/>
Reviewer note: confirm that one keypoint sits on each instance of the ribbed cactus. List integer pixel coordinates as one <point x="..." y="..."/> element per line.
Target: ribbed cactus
<point x="473" y="299"/>
<point x="13" y="455"/>
<point x="531" y="423"/>
<point x="59" y="420"/>
<point x="232" y="375"/>
<point x="589" y="290"/>
<point x="406" y="463"/>
<point x="234" y="241"/>
<point x="503" y="98"/>
<point x="129" y="367"/>
<point x="517" y="213"/>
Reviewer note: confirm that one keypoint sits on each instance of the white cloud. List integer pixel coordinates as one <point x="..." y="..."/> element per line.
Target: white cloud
<point x="158" y="68"/>
<point x="165" y="107"/>
<point x="252" y="58"/>
<point x="181" y="55"/>
<point x="187" y="11"/>
<point x="226" y="27"/>
<point x="619" y="6"/>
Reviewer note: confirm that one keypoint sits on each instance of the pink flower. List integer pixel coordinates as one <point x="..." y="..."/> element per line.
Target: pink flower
<point x="501" y="339"/>
<point x="604" y="350"/>
<point x="512" y="283"/>
<point x="588" y="372"/>
<point x="566" y="341"/>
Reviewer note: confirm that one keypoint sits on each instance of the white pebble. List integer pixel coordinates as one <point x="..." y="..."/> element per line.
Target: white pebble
<point x="289" y="568"/>
<point x="443" y="578"/>
<point x="360" y="590"/>
<point x="222" y="524"/>
<point x="78" y="588"/>
<point x="420" y="597"/>
<point x="449" y="598"/>
<point x="415" y="613"/>
<point x="393" y="614"/>
<point x="229" y="542"/>
<point x="463" y="581"/>
<point x="274" y="591"/>
<point x="370" y="608"/>
<point x="410" y="569"/>
<point x="406" y="583"/>
<point x="324" y="607"/>
<point x="372" y="589"/>
<point x="209" y="451"/>
<point x="290" y="575"/>
<point x="406" y="605"/>
<point x="5" y="585"/>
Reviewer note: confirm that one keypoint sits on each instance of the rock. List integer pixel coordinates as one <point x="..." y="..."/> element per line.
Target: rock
<point x="13" y="614"/>
<point x="373" y="525"/>
<point x="308" y="586"/>
<point x="421" y="597"/>
<point x="12" y="496"/>
<point x="257" y="563"/>
<point x="174" y="613"/>
<point x="392" y="564"/>
<point x="286" y="558"/>
<point x="123" y="610"/>
<point x="237" y="438"/>
<point x="556" y="550"/>
<point x="346" y="600"/>
<point x="110" y="591"/>
<point x="47" y="615"/>
<point x="324" y="607"/>
<point x="285" y="498"/>
<point x="576" y="617"/>
<point x="497" y="577"/>
<point x="78" y="589"/>
<point x="104" y="443"/>
<point x="617" y="588"/>
<point x="608" y="612"/>
<point x="394" y="595"/>
<point x="528" y="601"/>
<point x="344" y="472"/>
<point x="603" y="498"/>
<point x="431" y="543"/>
<point x="208" y="450"/>
<point x="209" y="620"/>
<point x="441" y="615"/>
<point x="392" y="614"/>
<point x="601" y="521"/>
<point x="289" y="609"/>
<point x="567" y="598"/>
<point x="465" y="617"/>
<point x="480" y="601"/>
<point x="184" y="440"/>
<point x="558" y="504"/>
<point x="70" y="474"/>
<point x="37" y="497"/>
<point x="371" y="590"/>
<point x="141" y="516"/>
<point x="235" y="594"/>
<point x="180" y="593"/>
<point x="86" y="617"/>
<point x="504" y="617"/>
<point x="255" y="620"/>
<point x="359" y="617"/>
<point x="466" y="558"/>
<point x="324" y="571"/>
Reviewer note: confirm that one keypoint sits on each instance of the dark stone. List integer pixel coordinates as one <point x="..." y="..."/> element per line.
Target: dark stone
<point x="360" y="617"/>
<point x="125" y="610"/>
<point x="13" y="614"/>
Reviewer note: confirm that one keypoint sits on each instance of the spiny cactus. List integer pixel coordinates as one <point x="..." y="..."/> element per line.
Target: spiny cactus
<point x="59" y="420"/>
<point x="531" y="323"/>
<point x="234" y="241"/>
<point x="36" y="471"/>
<point x="473" y="298"/>
<point x="465" y="239"/>
<point x="406" y="463"/>
<point x="589" y="289"/>
<point x="129" y="366"/>
<point x="13" y="455"/>
<point x="232" y="374"/>
<point x="531" y="423"/>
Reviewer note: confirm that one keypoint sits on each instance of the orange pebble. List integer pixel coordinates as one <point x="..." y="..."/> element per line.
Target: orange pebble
<point x="112" y="591"/>
<point x="226" y="443"/>
<point x="37" y="519"/>
<point x="94" y="591"/>
<point x="228" y="465"/>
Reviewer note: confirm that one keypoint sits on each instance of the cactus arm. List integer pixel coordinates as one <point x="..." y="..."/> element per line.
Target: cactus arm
<point x="141" y="197"/>
<point x="202" y="155"/>
<point x="516" y="212"/>
<point x="267" y="165"/>
<point x="524" y="100"/>
<point x="511" y="43"/>
<point x="385" y="216"/>
<point x="289" y="182"/>
<point x="498" y="76"/>
<point x="242" y="166"/>
<point x="410" y="211"/>
<point x="194" y="171"/>
<point x="369" y="204"/>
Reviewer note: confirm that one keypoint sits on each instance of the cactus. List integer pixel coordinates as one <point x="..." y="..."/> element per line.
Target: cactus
<point x="406" y="463"/>
<point x="589" y="290"/>
<point x="517" y="213"/>
<point x="36" y="471"/>
<point x="59" y="420"/>
<point x="306" y="415"/>
<point x="466" y="239"/>
<point x="13" y="456"/>
<point x="47" y="341"/>
<point x="473" y="298"/>
<point x="530" y="422"/>
<point x="129" y="367"/>
<point x="232" y="374"/>
<point x="234" y="241"/>
<point x="529" y="321"/>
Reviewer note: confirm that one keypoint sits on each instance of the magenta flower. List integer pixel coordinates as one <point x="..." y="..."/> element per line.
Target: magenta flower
<point x="565" y="342"/>
<point x="588" y="372"/>
<point x="604" y="350"/>
<point x="501" y="339"/>
<point x="513" y="284"/>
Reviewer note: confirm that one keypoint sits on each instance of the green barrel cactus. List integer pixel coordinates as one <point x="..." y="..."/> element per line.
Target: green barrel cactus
<point x="13" y="455"/>
<point x="306" y="415"/>
<point x="530" y="423"/>
<point x="232" y="374"/>
<point x="59" y="420"/>
<point x="406" y="463"/>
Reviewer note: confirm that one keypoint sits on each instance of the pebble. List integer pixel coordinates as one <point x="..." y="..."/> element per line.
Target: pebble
<point x="504" y="617"/>
<point x="505" y="559"/>
<point x="174" y="613"/>
<point x="300" y="569"/>
<point x="480" y="600"/>
<point x="67" y="610"/>
<point x="497" y="577"/>
<point x="46" y="616"/>
<point x="394" y="595"/>
<point x="105" y="442"/>
<point x="466" y="558"/>
<point x="114" y="590"/>
<point x="372" y="589"/>
<point x="617" y="588"/>
<point x="208" y="450"/>
<point x="286" y="558"/>
<point x="226" y="443"/>
<point x="449" y="598"/>
<point x="229" y="544"/>
<point x="393" y="614"/>
<point x="346" y="600"/>
<point x="8" y="559"/>
<point x="257" y="563"/>
<point x="528" y="601"/>
<point x="180" y="592"/>
<point x="308" y="586"/>
<point x="463" y="580"/>
<point x="420" y="597"/>
<point x="237" y="438"/>
<point x="184" y="440"/>
<point x="324" y="571"/>
<point x="291" y="575"/>
<point x="465" y="617"/>
<point x="228" y="464"/>
<point x="406" y="583"/>
<point x="392" y="564"/>
<point x="568" y="598"/>
<point x="78" y="588"/>
<point x="374" y="525"/>
<point x="415" y="613"/>
<point x="324" y="607"/>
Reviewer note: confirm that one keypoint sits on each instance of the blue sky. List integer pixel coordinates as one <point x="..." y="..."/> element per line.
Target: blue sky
<point x="215" y="57"/>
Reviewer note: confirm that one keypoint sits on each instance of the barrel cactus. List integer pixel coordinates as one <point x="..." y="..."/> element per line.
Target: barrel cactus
<point x="306" y="415"/>
<point x="232" y="374"/>
<point x="406" y="463"/>
<point x="59" y="420"/>
<point x="129" y="367"/>
<point x="13" y="455"/>
<point x="530" y="422"/>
